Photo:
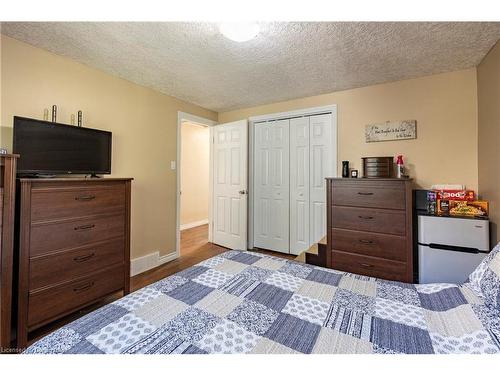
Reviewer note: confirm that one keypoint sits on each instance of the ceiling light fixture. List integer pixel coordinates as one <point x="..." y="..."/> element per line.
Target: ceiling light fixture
<point x="239" y="31"/>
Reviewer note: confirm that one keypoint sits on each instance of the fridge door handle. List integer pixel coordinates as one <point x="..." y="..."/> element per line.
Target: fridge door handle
<point x="462" y="249"/>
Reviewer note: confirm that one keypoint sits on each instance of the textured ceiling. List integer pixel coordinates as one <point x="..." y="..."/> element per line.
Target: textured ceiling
<point x="194" y="62"/>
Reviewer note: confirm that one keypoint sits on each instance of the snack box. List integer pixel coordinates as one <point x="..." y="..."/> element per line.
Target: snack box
<point x="443" y="207"/>
<point x="463" y="208"/>
<point x="456" y="195"/>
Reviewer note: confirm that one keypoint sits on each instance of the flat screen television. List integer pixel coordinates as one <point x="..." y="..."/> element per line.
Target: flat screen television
<point x="48" y="148"/>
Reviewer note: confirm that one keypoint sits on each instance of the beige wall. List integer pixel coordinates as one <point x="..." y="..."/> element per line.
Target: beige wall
<point x="444" y="105"/>
<point x="488" y="84"/>
<point x="195" y="157"/>
<point x="143" y="123"/>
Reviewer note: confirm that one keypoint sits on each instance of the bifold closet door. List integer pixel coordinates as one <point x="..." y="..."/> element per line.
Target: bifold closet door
<point x="321" y="166"/>
<point x="299" y="185"/>
<point x="271" y="186"/>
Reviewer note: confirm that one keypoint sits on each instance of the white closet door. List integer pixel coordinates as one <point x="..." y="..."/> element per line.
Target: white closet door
<point x="299" y="185"/>
<point x="271" y="200"/>
<point x="230" y="185"/>
<point x="321" y="166"/>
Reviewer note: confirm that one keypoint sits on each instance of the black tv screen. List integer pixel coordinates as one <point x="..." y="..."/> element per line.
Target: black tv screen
<point x="52" y="148"/>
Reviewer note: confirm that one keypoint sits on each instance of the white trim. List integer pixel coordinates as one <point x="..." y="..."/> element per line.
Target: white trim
<point x="194" y="224"/>
<point x="196" y="119"/>
<point x="276" y="116"/>
<point x="149" y="261"/>
<point x="211" y="184"/>
<point x="183" y="116"/>
<point x="167" y="258"/>
<point x="297" y="112"/>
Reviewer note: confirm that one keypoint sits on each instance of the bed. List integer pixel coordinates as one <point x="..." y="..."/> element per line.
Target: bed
<point x="247" y="302"/>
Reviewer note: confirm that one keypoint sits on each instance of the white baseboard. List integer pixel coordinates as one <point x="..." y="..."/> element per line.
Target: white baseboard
<point x="193" y="224"/>
<point x="149" y="261"/>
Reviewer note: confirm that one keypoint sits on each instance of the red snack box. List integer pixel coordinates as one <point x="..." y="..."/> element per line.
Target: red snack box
<point x="456" y="195"/>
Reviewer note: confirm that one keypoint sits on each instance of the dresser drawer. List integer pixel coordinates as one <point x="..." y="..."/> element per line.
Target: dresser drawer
<point x="71" y="264"/>
<point x="369" y="266"/>
<point x="61" y="202"/>
<point x="48" y="304"/>
<point x="46" y="238"/>
<point x="369" y="194"/>
<point x="369" y="219"/>
<point x="1" y="207"/>
<point x="368" y="243"/>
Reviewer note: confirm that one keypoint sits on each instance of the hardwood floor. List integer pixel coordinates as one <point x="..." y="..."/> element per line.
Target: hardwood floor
<point x="194" y="249"/>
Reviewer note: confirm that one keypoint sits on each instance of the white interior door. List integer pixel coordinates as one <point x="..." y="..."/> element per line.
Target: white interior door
<point x="230" y="150"/>
<point x="299" y="185"/>
<point x="321" y="166"/>
<point x="271" y="187"/>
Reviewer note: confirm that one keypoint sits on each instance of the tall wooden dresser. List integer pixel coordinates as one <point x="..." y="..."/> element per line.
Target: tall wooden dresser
<point x="7" y="209"/>
<point x="369" y="225"/>
<point x="74" y="246"/>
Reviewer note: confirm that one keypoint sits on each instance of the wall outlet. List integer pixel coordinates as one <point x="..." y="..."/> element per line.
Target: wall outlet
<point x="172" y="165"/>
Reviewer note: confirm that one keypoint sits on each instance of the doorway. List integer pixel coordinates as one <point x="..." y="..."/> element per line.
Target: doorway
<point x="195" y="194"/>
<point x="226" y="191"/>
<point x="193" y="184"/>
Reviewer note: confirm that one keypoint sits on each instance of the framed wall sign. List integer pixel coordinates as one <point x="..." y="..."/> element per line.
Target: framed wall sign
<point x="391" y="131"/>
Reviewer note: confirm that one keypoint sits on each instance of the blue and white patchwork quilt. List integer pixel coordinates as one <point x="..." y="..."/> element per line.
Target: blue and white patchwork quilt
<point x="246" y="302"/>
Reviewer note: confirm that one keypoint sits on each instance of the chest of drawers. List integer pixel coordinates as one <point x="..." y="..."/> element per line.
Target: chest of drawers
<point x="74" y="246"/>
<point x="7" y="205"/>
<point x="369" y="227"/>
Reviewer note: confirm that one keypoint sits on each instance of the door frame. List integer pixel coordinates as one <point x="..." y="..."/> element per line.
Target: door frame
<point x="332" y="108"/>
<point x="183" y="116"/>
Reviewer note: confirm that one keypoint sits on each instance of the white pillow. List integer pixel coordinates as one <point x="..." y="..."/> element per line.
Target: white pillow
<point x="485" y="279"/>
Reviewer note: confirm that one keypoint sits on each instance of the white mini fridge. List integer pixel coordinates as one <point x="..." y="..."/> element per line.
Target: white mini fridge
<point x="450" y="248"/>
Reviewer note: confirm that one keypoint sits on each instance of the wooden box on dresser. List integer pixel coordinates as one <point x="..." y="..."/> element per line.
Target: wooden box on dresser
<point x="74" y="246"/>
<point x="369" y="225"/>
<point x="7" y="209"/>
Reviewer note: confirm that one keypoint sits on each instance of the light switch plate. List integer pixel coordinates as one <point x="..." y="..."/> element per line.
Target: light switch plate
<point x="172" y="165"/>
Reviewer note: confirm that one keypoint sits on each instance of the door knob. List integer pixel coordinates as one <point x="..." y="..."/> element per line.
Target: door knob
<point x="242" y="192"/>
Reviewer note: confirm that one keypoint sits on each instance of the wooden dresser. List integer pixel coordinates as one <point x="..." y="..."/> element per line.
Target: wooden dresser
<point x="74" y="246"/>
<point x="7" y="209"/>
<point x="369" y="225"/>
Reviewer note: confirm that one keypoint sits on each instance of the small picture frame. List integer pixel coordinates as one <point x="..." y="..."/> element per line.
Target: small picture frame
<point x="354" y="173"/>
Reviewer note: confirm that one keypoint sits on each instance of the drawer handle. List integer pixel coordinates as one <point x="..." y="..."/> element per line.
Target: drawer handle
<point x="362" y="193"/>
<point x="366" y="265"/>
<point x="83" y="258"/>
<point x="85" y="198"/>
<point x="365" y="217"/>
<point x="368" y="242"/>
<point x="83" y="227"/>
<point x="83" y="287"/>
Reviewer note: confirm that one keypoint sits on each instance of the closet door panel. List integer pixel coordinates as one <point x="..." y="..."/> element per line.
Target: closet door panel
<point x="262" y="185"/>
<point x="299" y="185"/>
<point x="272" y="186"/>
<point x="321" y="166"/>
